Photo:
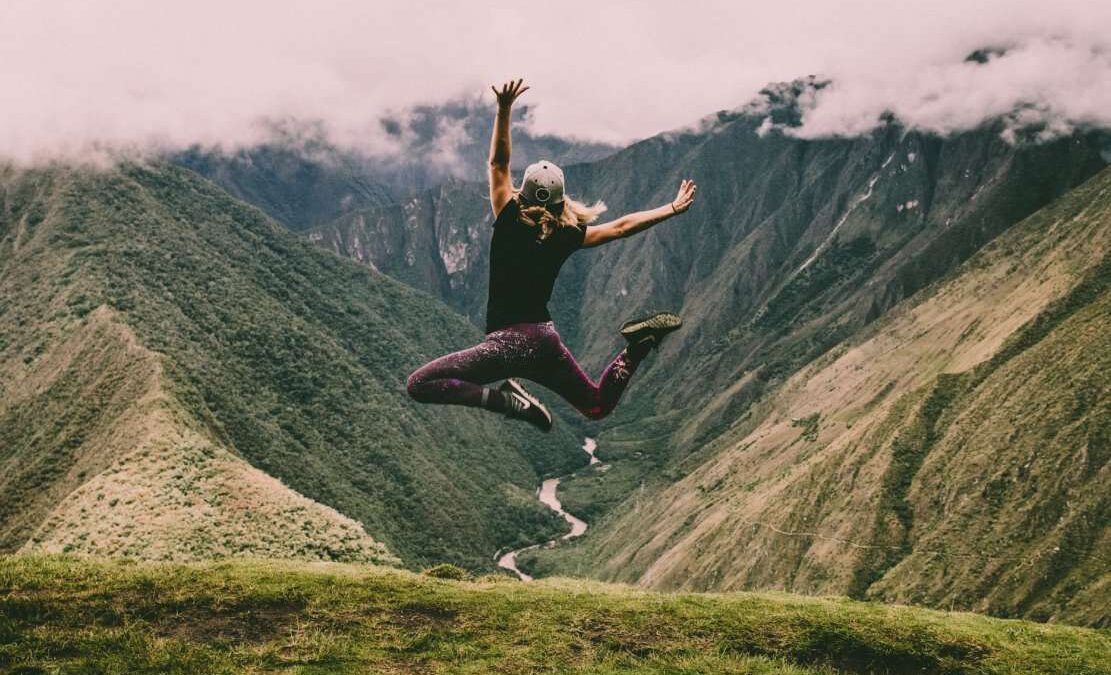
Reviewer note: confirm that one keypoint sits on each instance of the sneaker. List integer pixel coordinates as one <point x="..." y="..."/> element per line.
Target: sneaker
<point x="522" y="405"/>
<point x="651" y="329"/>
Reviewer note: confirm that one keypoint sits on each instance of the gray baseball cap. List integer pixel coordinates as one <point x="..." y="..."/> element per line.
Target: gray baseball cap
<point x="543" y="183"/>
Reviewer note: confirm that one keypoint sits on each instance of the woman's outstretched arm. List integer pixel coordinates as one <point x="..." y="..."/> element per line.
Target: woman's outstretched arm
<point x="501" y="187"/>
<point x="630" y="224"/>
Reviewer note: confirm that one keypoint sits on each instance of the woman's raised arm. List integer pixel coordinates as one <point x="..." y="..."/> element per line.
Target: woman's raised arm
<point x="501" y="187"/>
<point x="630" y="224"/>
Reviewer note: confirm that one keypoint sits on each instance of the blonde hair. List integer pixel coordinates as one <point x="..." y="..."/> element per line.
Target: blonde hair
<point x="573" y="214"/>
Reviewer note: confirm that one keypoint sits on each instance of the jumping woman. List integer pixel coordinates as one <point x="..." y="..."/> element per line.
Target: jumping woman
<point x="536" y="228"/>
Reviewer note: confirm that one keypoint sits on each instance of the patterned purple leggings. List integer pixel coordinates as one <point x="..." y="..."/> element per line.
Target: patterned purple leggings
<point x="533" y="351"/>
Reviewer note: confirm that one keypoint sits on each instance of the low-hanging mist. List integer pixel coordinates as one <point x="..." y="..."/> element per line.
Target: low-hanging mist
<point x="105" y="77"/>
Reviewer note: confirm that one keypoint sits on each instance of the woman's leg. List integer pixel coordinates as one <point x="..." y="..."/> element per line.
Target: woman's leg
<point x="559" y="371"/>
<point x="458" y="378"/>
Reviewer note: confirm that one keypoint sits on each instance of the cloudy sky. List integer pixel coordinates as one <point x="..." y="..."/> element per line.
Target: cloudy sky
<point x="75" y="75"/>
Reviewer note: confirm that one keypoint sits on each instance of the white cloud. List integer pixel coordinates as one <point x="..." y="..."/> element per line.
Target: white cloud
<point x="134" y="73"/>
<point x="1055" y="83"/>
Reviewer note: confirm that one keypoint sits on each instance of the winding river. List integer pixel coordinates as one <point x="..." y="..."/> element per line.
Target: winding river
<point x="547" y="497"/>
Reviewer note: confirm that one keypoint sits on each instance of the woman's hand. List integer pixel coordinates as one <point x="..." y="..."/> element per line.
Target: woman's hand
<point x="685" y="198"/>
<point x="509" y="92"/>
<point x="501" y="187"/>
<point x="628" y="225"/>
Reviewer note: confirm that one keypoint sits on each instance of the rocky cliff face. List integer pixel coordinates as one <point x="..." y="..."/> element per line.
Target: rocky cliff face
<point x="437" y="241"/>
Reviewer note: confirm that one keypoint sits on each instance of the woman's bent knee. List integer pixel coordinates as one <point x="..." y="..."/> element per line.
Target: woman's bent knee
<point x="595" y="412"/>
<point x="414" y="385"/>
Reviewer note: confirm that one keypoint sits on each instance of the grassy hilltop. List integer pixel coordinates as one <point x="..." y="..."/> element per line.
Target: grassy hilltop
<point x="67" y="615"/>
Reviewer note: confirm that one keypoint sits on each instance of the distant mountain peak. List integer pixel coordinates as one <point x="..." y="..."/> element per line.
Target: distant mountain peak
<point x="985" y="54"/>
<point x="783" y="104"/>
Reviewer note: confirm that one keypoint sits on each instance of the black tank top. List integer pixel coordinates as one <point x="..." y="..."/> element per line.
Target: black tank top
<point x="523" y="268"/>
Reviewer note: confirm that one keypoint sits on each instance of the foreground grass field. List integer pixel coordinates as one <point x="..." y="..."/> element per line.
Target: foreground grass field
<point x="60" y="614"/>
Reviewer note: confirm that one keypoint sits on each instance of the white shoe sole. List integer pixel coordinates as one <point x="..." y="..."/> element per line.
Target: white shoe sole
<point x="516" y="388"/>
<point x="662" y="320"/>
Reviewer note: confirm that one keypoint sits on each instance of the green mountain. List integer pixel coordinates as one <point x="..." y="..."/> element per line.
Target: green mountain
<point x="953" y="453"/>
<point x="297" y="184"/>
<point x="889" y="384"/>
<point x="181" y="378"/>
<point x="795" y="250"/>
<point x="253" y="616"/>
<point x="793" y="245"/>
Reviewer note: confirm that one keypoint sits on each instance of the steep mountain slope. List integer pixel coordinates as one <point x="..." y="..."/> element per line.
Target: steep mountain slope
<point x="790" y="239"/>
<point x="98" y="458"/>
<point x="165" y="349"/>
<point x="954" y="453"/>
<point x="796" y="244"/>
<point x="793" y="245"/>
<point x="437" y="241"/>
<point x="296" y="184"/>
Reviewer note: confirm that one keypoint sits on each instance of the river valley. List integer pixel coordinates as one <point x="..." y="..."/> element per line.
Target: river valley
<point x="547" y="496"/>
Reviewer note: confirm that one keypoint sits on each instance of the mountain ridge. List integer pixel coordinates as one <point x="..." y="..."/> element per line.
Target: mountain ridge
<point x="290" y="358"/>
<point x="860" y="452"/>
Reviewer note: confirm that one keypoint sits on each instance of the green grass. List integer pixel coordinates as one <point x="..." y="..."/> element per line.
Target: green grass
<point x="68" y="615"/>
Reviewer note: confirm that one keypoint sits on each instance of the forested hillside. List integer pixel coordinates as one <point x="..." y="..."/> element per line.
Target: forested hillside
<point x="167" y="352"/>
